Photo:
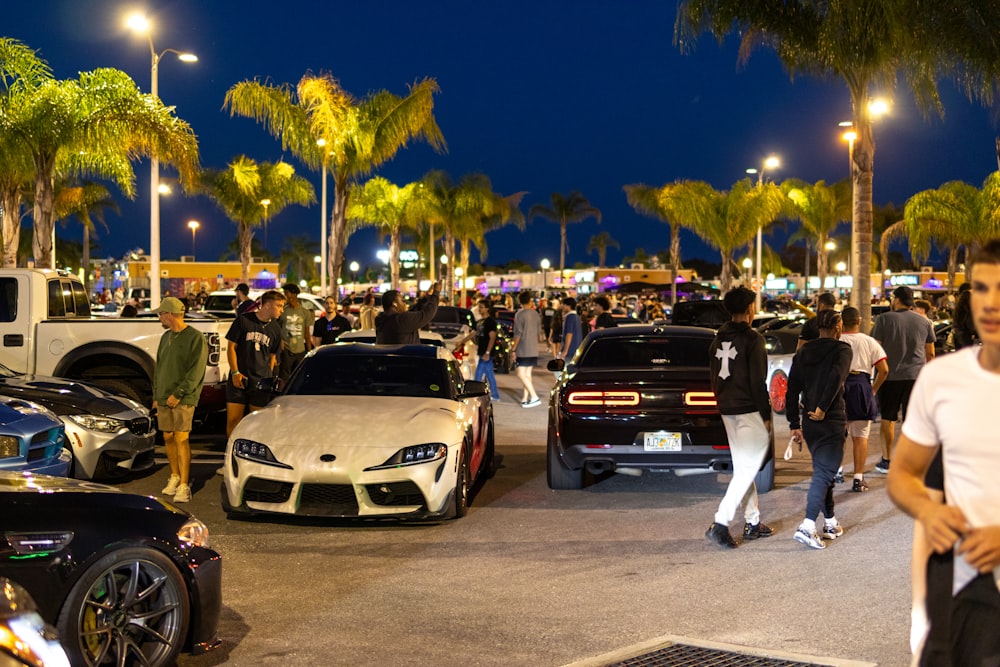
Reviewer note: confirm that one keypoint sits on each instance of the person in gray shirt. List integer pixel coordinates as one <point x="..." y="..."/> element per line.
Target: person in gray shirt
<point x="908" y="340"/>
<point x="524" y="349"/>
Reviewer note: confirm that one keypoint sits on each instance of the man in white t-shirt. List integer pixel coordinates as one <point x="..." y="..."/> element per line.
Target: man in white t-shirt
<point x="860" y="389"/>
<point x="952" y="407"/>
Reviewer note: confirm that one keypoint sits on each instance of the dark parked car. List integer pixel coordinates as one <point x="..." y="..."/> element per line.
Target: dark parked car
<point x="126" y="579"/>
<point x="638" y="398"/>
<point x="107" y="435"/>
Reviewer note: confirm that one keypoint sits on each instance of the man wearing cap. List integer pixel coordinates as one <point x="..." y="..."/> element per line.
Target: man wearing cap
<point x="908" y="340"/>
<point x="177" y="381"/>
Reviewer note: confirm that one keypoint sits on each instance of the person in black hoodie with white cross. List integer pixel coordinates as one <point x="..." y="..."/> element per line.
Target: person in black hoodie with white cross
<point x="816" y="380"/>
<point x="738" y="360"/>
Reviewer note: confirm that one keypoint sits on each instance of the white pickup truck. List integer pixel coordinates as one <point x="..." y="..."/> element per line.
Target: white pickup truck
<point x="47" y="329"/>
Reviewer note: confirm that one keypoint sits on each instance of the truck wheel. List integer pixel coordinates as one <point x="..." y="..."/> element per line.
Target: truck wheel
<point x="119" y="387"/>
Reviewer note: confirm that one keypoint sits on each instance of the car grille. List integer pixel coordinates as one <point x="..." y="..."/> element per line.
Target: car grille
<point x="260" y="490"/>
<point x="44" y="444"/>
<point x="395" y="494"/>
<point x="140" y="425"/>
<point x="328" y="500"/>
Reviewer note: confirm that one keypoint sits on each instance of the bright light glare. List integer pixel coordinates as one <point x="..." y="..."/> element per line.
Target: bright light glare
<point x="747" y="263"/>
<point x="545" y="264"/>
<point x="187" y="57"/>
<point x="849" y="136"/>
<point x="772" y="162"/>
<point x="878" y="107"/>
<point x="137" y="22"/>
<point x="163" y="189"/>
<point x="194" y="224"/>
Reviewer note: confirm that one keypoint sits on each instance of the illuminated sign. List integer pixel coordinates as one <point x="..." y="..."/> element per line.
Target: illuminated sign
<point x="409" y="255"/>
<point x="904" y="280"/>
<point x="776" y="284"/>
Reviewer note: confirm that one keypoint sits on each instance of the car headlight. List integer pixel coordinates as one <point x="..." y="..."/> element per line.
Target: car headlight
<point x="414" y="455"/>
<point x="9" y="447"/>
<point x="98" y="423"/>
<point x="256" y="451"/>
<point x="193" y="533"/>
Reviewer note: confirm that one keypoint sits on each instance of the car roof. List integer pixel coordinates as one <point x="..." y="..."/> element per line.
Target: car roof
<point x="633" y="330"/>
<point x="369" y="350"/>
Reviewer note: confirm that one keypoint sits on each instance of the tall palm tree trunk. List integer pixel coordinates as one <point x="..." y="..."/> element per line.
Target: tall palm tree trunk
<point x="862" y="175"/>
<point x="725" y="279"/>
<point x="805" y="288"/>
<point x="675" y="260"/>
<point x="563" y="246"/>
<point x="10" y="227"/>
<point x="42" y="218"/>
<point x="952" y="266"/>
<point x="395" y="240"/>
<point x="466" y="257"/>
<point x="822" y="261"/>
<point x="244" y="236"/>
<point x="338" y="230"/>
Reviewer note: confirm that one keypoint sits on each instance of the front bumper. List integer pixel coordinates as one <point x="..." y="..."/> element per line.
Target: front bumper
<point x="57" y="466"/>
<point x="205" y="566"/>
<point x="122" y="451"/>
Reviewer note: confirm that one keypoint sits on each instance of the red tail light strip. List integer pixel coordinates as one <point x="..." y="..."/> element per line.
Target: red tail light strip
<point x="700" y="398"/>
<point x="603" y="398"/>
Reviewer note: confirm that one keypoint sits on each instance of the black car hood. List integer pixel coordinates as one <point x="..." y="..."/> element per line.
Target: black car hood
<point x="64" y="397"/>
<point x="11" y="481"/>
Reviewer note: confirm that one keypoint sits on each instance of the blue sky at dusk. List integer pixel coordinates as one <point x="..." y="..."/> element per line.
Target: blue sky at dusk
<point x="540" y="96"/>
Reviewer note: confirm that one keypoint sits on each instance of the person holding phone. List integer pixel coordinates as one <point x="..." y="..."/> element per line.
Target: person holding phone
<point x="399" y="325"/>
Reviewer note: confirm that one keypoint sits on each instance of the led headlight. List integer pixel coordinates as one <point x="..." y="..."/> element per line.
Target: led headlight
<point x="9" y="447"/>
<point x="194" y="533"/>
<point x="98" y="423"/>
<point x="256" y="451"/>
<point x="415" y="454"/>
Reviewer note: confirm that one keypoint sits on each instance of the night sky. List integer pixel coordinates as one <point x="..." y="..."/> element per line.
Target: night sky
<point x="539" y="96"/>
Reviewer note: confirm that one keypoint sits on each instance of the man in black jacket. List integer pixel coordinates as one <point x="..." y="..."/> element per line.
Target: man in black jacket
<point x="738" y="374"/>
<point x="396" y="325"/>
<point x="818" y="373"/>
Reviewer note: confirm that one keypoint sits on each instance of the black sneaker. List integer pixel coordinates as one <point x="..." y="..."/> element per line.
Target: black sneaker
<point x="839" y="477"/>
<point x="720" y="535"/>
<point x="859" y="486"/>
<point x="883" y="466"/>
<point x="752" y="532"/>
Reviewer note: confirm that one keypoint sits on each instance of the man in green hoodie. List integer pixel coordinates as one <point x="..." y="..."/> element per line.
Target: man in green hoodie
<point x="177" y="382"/>
<point x="739" y="379"/>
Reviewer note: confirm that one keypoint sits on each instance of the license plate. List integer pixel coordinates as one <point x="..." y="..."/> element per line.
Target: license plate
<point x="662" y="441"/>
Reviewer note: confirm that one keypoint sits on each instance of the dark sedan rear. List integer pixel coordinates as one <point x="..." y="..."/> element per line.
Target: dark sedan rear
<point x="638" y="399"/>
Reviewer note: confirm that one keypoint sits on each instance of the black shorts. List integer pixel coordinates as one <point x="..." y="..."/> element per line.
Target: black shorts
<point x="254" y="397"/>
<point x="527" y="361"/>
<point x="893" y="397"/>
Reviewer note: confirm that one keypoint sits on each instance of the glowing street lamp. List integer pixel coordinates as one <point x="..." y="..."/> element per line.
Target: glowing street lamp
<point x="193" y="225"/>
<point x="747" y="265"/>
<point x="139" y="24"/>
<point x="545" y="264"/>
<point x="265" y="203"/>
<point x="354" y="267"/>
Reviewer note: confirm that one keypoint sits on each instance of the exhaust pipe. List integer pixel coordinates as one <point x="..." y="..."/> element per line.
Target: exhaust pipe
<point x="687" y="472"/>
<point x="598" y="467"/>
<point x="634" y="472"/>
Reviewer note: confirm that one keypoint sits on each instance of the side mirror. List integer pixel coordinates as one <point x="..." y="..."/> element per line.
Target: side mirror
<point x="556" y="365"/>
<point x="471" y="389"/>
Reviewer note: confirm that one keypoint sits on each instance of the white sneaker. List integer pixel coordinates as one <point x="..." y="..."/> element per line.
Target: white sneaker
<point x="183" y="494"/>
<point x="172" y="484"/>
<point x="806" y="537"/>
<point x="832" y="532"/>
<point x="532" y="403"/>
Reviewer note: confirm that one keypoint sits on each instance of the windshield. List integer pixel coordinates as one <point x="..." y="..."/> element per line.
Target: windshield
<point x="651" y="352"/>
<point x="219" y="302"/>
<point x="377" y="375"/>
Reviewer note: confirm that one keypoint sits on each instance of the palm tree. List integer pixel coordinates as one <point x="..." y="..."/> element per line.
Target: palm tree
<point x="87" y="201"/>
<point x="299" y="252"/>
<point x="565" y="210"/>
<point x="243" y="185"/>
<point x="95" y="125"/>
<point x="357" y="136"/>
<point x="820" y="208"/>
<point x="955" y="215"/>
<point x="724" y="220"/>
<point x="866" y="43"/>
<point x="600" y="243"/>
<point x="381" y="203"/>
<point x="657" y="202"/>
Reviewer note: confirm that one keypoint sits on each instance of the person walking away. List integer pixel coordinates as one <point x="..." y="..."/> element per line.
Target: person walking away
<point x="859" y="390"/>
<point x="367" y="312"/>
<point x="908" y="340"/>
<point x="819" y="370"/>
<point x="328" y="329"/>
<point x="572" y="329"/>
<point x="396" y="325"/>
<point x="555" y="329"/>
<point x="738" y="373"/>
<point x="524" y="349"/>
<point x="177" y="381"/>
<point x="602" y="310"/>
<point x="255" y="340"/>
<point x="810" y="331"/>
<point x="951" y="412"/>
<point x="296" y="328"/>
<point x="243" y="302"/>
<point x="486" y="340"/>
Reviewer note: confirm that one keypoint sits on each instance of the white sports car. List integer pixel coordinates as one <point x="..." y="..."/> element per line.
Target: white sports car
<point x="364" y="431"/>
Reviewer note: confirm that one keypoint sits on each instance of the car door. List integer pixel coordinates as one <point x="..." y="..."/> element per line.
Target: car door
<point x="15" y="322"/>
<point x="476" y="408"/>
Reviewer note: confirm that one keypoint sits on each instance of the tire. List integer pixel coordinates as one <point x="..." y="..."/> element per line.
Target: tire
<point x="460" y="502"/>
<point x="777" y="389"/>
<point x="119" y="387"/>
<point x="765" y="477"/>
<point x="560" y="477"/>
<point x="131" y="601"/>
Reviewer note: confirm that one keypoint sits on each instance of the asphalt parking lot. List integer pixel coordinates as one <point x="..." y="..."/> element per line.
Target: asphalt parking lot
<point x="537" y="577"/>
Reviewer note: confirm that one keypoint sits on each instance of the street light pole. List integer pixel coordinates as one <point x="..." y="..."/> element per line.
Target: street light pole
<point x="265" y="203"/>
<point x="138" y="23"/>
<point x="193" y="225"/>
<point x="545" y="264"/>
<point x="772" y="162"/>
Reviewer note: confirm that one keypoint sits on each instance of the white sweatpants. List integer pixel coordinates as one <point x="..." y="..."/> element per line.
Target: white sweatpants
<point x="748" y="443"/>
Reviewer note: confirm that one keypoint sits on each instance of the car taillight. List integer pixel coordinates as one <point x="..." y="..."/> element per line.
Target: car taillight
<point x="700" y="399"/>
<point x="611" y="399"/>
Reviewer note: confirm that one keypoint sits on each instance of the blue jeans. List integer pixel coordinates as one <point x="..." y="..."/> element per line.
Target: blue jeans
<point x="485" y="369"/>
